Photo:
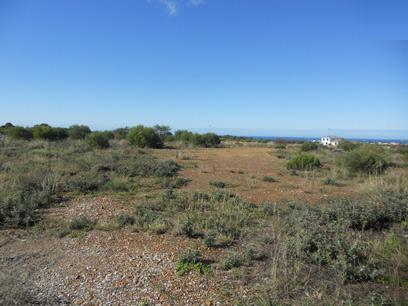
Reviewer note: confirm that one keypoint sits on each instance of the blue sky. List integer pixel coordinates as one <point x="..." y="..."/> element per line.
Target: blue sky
<point x="239" y="66"/>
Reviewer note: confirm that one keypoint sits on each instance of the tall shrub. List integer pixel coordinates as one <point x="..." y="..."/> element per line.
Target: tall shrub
<point x="144" y="137"/>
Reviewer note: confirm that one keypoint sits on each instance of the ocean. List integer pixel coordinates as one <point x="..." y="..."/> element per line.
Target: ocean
<point x="366" y="140"/>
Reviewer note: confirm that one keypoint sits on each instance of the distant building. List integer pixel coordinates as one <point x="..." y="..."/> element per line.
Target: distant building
<point x="330" y="140"/>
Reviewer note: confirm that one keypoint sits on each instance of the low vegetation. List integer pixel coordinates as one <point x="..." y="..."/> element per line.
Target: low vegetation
<point x="304" y="161"/>
<point x="364" y="160"/>
<point x="336" y="251"/>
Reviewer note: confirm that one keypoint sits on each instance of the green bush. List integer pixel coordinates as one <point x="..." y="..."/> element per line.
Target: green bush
<point x="163" y="131"/>
<point x="166" y="168"/>
<point x="46" y="132"/>
<point x="314" y="237"/>
<point x="18" y="132"/>
<point x="329" y="181"/>
<point x="191" y="260"/>
<point x="21" y="201"/>
<point x="97" y="140"/>
<point x="309" y="146"/>
<point x="268" y="179"/>
<point x="219" y="184"/>
<point x="366" y="160"/>
<point x="85" y="182"/>
<point x="124" y="219"/>
<point x="207" y="140"/>
<point x="329" y="236"/>
<point x="78" y="131"/>
<point x="82" y="223"/>
<point x="187" y="228"/>
<point x="146" y="166"/>
<point x="184" y="136"/>
<point x="347" y="145"/>
<point x="145" y="215"/>
<point x="210" y="239"/>
<point x="144" y="137"/>
<point x="121" y="133"/>
<point x="304" y="162"/>
<point x="17" y="211"/>
<point x="280" y="146"/>
<point x="233" y="260"/>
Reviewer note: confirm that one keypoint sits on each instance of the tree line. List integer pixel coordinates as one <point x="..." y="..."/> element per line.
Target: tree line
<point x="141" y="136"/>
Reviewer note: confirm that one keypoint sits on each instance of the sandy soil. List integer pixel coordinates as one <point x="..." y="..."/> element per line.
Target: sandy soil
<point x="243" y="168"/>
<point x="124" y="267"/>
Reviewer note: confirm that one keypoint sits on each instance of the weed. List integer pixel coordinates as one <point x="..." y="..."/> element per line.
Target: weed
<point x="124" y="219"/>
<point x="304" y="162"/>
<point x="268" y="179"/>
<point x="191" y="260"/>
<point x="219" y="184"/>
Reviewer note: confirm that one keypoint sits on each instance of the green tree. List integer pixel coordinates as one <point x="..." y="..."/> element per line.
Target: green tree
<point x="97" y="140"/>
<point x="144" y="137"/>
<point x="78" y="131"/>
<point x="347" y="145"/>
<point x="18" y="132"/>
<point x="121" y="133"/>
<point x="162" y="130"/>
<point x="308" y="146"/>
<point x="45" y="132"/>
<point x="304" y="162"/>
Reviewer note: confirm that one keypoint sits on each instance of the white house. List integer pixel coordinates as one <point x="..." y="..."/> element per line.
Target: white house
<point x="330" y="141"/>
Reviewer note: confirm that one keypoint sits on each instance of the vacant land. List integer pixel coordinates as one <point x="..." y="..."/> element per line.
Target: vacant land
<point x="244" y="223"/>
<point x="244" y="169"/>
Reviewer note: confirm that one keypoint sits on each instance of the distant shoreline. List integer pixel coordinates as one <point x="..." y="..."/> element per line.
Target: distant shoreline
<point x="366" y="140"/>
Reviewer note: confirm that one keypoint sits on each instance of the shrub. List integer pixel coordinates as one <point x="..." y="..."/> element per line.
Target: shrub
<point x="146" y="166"/>
<point x="316" y="238"/>
<point x="329" y="181"/>
<point x="191" y="260"/>
<point x="46" y="132"/>
<point x="184" y="136"/>
<point x="309" y="146"/>
<point x="124" y="219"/>
<point x="218" y="184"/>
<point x="145" y="215"/>
<point x="210" y="239"/>
<point x="268" y="209"/>
<point x="364" y="160"/>
<point x="372" y="214"/>
<point x="18" y="132"/>
<point x="97" y="140"/>
<point x="347" y="145"/>
<point x="166" y="168"/>
<point x="20" y="202"/>
<point x="208" y="140"/>
<point x="144" y="137"/>
<point x="163" y="131"/>
<point x="269" y="179"/>
<point x="85" y="182"/>
<point x="200" y="196"/>
<point x="178" y="183"/>
<point x="186" y="228"/>
<point x="121" y="133"/>
<point x="304" y="162"/>
<point x="82" y="223"/>
<point x="17" y="211"/>
<point x="233" y="260"/>
<point x="78" y="131"/>
<point x="280" y="146"/>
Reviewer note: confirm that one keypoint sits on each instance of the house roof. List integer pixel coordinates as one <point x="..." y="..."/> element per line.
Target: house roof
<point x="333" y="137"/>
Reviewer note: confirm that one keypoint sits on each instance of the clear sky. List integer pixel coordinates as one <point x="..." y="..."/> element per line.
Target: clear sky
<point x="239" y="66"/>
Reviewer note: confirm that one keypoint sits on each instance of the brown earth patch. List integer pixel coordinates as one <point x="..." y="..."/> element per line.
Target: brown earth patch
<point x="243" y="168"/>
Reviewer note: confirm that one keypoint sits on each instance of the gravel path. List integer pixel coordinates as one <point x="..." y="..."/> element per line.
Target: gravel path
<point x="104" y="267"/>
